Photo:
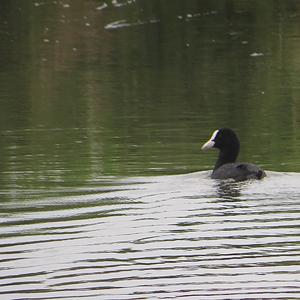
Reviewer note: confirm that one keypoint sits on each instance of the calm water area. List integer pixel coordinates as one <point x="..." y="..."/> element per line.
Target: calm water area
<point x="104" y="190"/>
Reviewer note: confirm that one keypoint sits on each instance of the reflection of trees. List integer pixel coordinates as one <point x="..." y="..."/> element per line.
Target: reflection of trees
<point x="146" y="93"/>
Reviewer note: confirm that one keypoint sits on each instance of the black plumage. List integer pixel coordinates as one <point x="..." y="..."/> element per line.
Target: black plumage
<point x="226" y="140"/>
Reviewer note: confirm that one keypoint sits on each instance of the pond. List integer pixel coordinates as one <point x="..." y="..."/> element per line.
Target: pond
<point x="104" y="190"/>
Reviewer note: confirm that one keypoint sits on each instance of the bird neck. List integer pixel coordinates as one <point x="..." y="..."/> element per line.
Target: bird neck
<point x="226" y="157"/>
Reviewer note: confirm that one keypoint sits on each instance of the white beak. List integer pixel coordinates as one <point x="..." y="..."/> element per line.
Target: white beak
<point x="210" y="143"/>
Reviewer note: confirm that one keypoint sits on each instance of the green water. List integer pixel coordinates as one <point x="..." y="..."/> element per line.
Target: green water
<point x="81" y="97"/>
<point x="100" y="101"/>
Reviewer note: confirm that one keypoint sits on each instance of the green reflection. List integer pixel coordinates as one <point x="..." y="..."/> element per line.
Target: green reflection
<point x="134" y="88"/>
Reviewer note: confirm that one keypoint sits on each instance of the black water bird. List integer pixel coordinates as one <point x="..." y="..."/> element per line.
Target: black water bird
<point x="226" y="140"/>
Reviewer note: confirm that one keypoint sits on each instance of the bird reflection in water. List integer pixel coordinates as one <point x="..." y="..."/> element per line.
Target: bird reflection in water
<point x="228" y="189"/>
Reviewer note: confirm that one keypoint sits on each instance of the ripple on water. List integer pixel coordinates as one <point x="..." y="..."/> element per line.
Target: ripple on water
<point x="182" y="236"/>
<point x="124" y="23"/>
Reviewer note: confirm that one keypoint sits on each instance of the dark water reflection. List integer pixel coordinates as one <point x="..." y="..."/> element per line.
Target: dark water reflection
<point x="103" y="105"/>
<point x="229" y="189"/>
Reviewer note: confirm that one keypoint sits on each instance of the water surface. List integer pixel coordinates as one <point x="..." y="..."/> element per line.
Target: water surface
<point x="104" y="191"/>
<point x="182" y="236"/>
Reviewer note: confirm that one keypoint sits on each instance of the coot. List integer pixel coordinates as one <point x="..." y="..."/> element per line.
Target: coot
<point x="226" y="166"/>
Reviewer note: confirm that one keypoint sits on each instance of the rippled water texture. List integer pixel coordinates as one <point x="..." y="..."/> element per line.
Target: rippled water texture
<point x="182" y="236"/>
<point x="104" y="190"/>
